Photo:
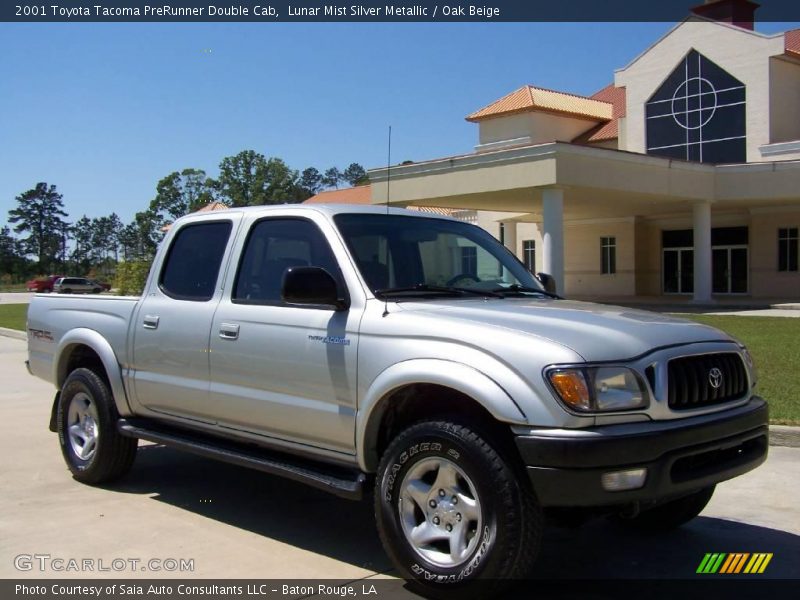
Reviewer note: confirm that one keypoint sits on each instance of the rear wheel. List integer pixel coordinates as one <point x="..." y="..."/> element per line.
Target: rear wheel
<point x="451" y="510"/>
<point x="672" y="514"/>
<point x="86" y="423"/>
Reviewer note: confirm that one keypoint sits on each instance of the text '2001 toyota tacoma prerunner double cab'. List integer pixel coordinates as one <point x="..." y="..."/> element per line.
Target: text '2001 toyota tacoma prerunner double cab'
<point x="354" y="347"/>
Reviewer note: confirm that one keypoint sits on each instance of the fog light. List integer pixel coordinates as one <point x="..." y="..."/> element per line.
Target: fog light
<point x="618" y="481"/>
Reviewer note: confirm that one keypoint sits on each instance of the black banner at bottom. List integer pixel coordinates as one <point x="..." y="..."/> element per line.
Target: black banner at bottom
<point x="728" y="587"/>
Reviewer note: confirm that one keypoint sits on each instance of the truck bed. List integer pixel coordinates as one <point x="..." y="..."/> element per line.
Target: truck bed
<point x="50" y="316"/>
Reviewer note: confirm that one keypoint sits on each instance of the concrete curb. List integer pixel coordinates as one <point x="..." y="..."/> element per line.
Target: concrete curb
<point x="14" y="333"/>
<point x="784" y="435"/>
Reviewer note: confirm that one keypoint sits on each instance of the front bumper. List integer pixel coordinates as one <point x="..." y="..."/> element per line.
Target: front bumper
<point x="681" y="456"/>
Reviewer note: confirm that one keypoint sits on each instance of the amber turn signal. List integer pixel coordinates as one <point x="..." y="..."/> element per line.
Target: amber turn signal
<point x="571" y="387"/>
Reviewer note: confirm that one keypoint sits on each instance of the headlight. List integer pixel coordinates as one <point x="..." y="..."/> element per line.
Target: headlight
<point x="599" y="389"/>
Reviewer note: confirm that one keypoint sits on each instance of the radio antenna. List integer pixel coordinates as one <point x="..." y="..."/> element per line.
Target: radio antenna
<point x="388" y="187"/>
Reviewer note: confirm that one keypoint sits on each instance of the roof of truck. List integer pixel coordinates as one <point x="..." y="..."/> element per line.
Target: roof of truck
<point x="328" y="209"/>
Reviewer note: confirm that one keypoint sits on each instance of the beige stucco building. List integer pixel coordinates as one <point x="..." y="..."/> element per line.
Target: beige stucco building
<point x="680" y="178"/>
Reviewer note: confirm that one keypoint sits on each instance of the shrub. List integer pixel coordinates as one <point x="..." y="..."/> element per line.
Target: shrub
<point x="131" y="277"/>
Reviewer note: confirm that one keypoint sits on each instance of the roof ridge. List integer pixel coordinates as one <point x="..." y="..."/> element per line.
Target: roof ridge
<point x="493" y="102"/>
<point x="544" y="89"/>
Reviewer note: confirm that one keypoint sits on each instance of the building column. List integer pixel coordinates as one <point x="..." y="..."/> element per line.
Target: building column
<point x="553" y="236"/>
<point x="701" y="221"/>
<point x="510" y="236"/>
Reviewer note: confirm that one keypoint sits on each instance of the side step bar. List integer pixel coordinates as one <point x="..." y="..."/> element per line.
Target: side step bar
<point x="338" y="481"/>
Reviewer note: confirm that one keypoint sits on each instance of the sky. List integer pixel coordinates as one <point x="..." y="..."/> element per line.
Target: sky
<point x="105" y="110"/>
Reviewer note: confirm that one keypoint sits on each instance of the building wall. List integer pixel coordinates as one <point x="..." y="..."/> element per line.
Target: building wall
<point x="539" y="127"/>
<point x="648" y="258"/>
<point x="784" y="108"/>
<point x="765" y="279"/>
<point x="743" y="54"/>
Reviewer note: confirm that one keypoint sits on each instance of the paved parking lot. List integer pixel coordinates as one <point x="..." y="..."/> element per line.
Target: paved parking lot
<point x="235" y="523"/>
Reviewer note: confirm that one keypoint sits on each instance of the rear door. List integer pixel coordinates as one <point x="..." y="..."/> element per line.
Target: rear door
<point x="171" y="329"/>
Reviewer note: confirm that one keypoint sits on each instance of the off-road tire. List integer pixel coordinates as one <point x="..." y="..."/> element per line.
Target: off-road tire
<point x="510" y="517"/>
<point x="672" y="514"/>
<point x="112" y="454"/>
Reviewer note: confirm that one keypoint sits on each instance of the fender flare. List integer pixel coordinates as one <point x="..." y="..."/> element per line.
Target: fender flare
<point x="454" y="375"/>
<point x="92" y="339"/>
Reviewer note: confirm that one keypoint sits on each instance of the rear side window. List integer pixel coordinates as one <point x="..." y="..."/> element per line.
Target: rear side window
<point x="192" y="265"/>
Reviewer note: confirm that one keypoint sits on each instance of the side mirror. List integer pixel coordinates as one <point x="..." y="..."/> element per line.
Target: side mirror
<point x="548" y="282"/>
<point x="311" y="286"/>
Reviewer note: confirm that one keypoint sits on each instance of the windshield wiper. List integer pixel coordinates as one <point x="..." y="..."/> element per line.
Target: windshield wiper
<point x="521" y="289"/>
<point x="438" y="289"/>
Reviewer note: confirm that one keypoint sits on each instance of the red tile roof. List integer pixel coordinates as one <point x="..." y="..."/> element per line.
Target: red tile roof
<point x="610" y="130"/>
<point x="361" y="194"/>
<point x="529" y="98"/>
<point x="791" y="42"/>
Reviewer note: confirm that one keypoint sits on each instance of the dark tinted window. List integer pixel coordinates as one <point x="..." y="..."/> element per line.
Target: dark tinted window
<point x="608" y="255"/>
<point x="400" y="251"/>
<point x="193" y="262"/>
<point x="273" y="246"/>
<point x="787" y="248"/>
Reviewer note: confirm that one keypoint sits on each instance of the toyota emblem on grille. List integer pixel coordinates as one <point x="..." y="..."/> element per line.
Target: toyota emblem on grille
<point x="715" y="378"/>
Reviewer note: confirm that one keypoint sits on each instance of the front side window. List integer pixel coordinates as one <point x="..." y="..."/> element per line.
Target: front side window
<point x="608" y="255"/>
<point x="393" y="251"/>
<point x="192" y="265"/>
<point x="787" y="248"/>
<point x="273" y="246"/>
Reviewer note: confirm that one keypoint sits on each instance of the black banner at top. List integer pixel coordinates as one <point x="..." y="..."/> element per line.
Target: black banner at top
<point x="374" y="11"/>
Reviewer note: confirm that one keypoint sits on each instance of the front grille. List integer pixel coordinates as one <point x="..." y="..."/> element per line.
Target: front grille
<point x="689" y="383"/>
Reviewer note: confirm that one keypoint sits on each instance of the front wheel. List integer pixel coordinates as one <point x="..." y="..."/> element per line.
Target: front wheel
<point x="450" y="509"/>
<point x="86" y="423"/>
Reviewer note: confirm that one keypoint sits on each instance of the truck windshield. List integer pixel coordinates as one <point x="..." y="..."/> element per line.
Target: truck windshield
<point x="404" y="255"/>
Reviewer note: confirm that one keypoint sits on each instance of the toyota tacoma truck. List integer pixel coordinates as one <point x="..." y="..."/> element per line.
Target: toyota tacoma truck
<point x="409" y="356"/>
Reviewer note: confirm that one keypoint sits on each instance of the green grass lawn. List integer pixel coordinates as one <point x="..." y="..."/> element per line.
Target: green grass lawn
<point x="774" y="343"/>
<point x="13" y="316"/>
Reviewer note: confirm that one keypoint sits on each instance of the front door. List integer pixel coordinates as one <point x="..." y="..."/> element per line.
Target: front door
<point x="678" y="270"/>
<point x="283" y="371"/>
<point x="729" y="267"/>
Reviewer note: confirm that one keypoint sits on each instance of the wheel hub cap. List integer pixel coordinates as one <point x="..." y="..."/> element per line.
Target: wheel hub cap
<point x="440" y="512"/>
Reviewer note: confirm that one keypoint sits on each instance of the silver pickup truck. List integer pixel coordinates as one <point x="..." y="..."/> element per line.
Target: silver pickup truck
<point x="360" y="348"/>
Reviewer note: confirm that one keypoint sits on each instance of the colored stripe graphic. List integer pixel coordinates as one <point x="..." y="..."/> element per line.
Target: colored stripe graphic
<point x="711" y="563"/>
<point x="733" y="563"/>
<point x="758" y="563"/>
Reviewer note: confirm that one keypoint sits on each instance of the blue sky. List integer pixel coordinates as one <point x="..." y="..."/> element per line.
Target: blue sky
<point x="105" y="110"/>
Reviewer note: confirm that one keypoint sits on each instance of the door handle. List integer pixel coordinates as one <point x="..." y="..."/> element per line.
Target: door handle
<point x="150" y="322"/>
<point x="229" y="331"/>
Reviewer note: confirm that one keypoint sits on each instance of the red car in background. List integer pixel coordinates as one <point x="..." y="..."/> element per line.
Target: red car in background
<point x="42" y="284"/>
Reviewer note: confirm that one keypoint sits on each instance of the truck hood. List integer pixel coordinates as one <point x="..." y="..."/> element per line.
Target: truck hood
<point x="597" y="332"/>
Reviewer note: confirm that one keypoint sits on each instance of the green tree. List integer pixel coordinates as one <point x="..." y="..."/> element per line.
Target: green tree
<point x="249" y="179"/>
<point x="355" y="174"/>
<point x="82" y="238"/>
<point x="139" y="239"/>
<point x="332" y="177"/>
<point x="39" y="214"/>
<point x="180" y="193"/>
<point x="310" y="182"/>
<point x="12" y="259"/>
